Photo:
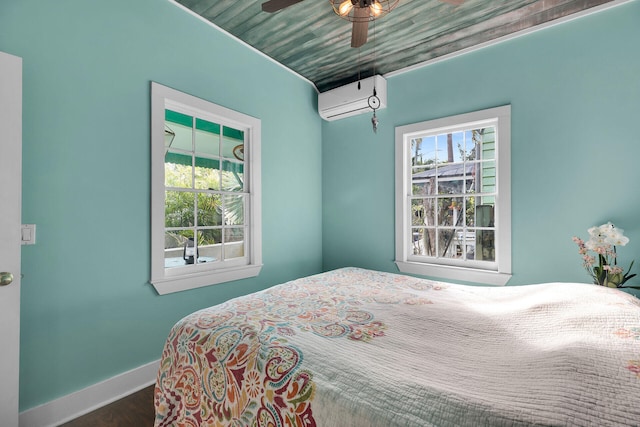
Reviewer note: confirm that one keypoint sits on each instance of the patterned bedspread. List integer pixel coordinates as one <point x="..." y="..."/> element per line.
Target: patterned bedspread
<point x="355" y="347"/>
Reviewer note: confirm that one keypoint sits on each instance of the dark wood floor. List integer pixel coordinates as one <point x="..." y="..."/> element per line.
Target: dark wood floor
<point x="135" y="410"/>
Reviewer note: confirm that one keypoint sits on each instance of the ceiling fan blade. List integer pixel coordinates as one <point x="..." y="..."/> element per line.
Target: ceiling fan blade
<point x="360" y="28"/>
<point x="276" y="5"/>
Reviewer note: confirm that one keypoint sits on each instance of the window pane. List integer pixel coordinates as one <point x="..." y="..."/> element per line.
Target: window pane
<point x="423" y="212"/>
<point x="210" y="236"/>
<point x="423" y="151"/>
<point x="209" y="245"/>
<point x="449" y="211"/>
<point x="178" y="131"/>
<point x="472" y="172"/>
<point x="233" y="243"/>
<point x="233" y="208"/>
<point x="485" y="245"/>
<point x="177" y="170"/>
<point x="207" y="174"/>
<point x="487" y="140"/>
<point x="470" y="146"/>
<point x="469" y="183"/>
<point x="233" y="144"/>
<point x="455" y="146"/>
<point x="417" y="236"/>
<point x="424" y="242"/>
<point x="209" y="210"/>
<point x="232" y="176"/>
<point x="446" y="244"/>
<point x="469" y="211"/>
<point x="423" y="180"/>
<point x="175" y="239"/>
<point x="466" y="242"/>
<point x="174" y="247"/>
<point x="484" y="215"/>
<point x="441" y="148"/>
<point x="207" y="138"/>
<point x="454" y="182"/>
<point x="179" y="209"/>
<point x="487" y="181"/>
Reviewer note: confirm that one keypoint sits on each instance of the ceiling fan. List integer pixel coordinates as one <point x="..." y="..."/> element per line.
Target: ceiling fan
<point x="359" y="12"/>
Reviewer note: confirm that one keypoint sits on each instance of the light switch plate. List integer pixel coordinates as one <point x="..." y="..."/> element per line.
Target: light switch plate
<point x="28" y="234"/>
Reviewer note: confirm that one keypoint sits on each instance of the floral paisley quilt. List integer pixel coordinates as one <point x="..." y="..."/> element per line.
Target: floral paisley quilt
<point x="355" y="347"/>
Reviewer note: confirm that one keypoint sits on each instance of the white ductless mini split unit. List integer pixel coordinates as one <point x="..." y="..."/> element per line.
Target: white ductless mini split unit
<point x="350" y="100"/>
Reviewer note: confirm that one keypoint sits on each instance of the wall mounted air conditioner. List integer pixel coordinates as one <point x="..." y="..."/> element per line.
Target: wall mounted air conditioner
<point x="348" y="100"/>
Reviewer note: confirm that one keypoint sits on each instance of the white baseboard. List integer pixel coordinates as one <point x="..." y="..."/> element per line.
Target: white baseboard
<point x="81" y="402"/>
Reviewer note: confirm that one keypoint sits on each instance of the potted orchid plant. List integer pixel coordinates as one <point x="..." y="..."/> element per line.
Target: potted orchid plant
<point x="603" y="267"/>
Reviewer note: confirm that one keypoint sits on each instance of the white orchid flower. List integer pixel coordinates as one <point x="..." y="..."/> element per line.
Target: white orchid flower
<point x="618" y="240"/>
<point x="603" y="241"/>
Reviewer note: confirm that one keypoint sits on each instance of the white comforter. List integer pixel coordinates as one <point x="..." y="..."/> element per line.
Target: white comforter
<point x="354" y="347"/>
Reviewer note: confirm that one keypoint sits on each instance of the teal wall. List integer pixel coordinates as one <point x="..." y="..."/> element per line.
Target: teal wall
<point x="87" y="311"/>
<point x="575" y="95"/>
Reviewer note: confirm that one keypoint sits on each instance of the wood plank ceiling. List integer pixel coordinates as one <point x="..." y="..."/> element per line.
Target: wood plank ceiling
<point x="310" y="39"/>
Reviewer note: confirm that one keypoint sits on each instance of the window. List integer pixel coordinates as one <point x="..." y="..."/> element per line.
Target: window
<point x="205" y="192"/>
<point x="453" y="207"/>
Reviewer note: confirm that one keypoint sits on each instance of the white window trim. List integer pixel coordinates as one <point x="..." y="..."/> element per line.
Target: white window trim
<point x="174" y="280"/>
<point x="501" y="275"/>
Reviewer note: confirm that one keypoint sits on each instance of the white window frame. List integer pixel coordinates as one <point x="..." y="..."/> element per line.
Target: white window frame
<point x="168" y="280"/>
<point x="497" y="273"/>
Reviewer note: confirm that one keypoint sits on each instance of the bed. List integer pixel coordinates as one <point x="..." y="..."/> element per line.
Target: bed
<point x="355" y="347"/>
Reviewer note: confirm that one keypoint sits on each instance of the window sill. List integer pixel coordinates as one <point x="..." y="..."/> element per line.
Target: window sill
<point x="185" y="282"/>
<point x="455" y="273"/>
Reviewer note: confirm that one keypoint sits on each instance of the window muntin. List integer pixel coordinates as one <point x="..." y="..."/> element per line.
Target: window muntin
<point x="206" y="226"/>
<point x="453" y="197"/>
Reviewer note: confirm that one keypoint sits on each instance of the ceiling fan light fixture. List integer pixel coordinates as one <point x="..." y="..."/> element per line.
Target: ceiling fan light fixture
<point x="351" y="10"/>
<point x="345" y="7"/>
<point x="376" y="8"/>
